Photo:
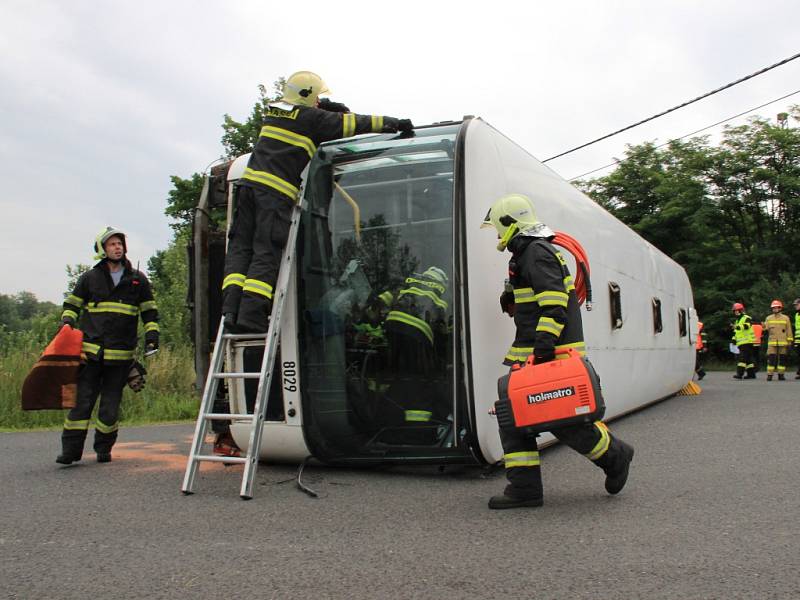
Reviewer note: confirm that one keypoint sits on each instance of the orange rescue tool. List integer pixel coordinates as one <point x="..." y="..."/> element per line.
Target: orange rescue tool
<point x="551" y="395"/>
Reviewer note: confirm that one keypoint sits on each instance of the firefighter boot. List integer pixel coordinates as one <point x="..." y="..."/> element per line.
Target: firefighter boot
<point x="66" y="459"/>
<point x="769" y="376"/>
<point x="781" y="377"/>
<point x="524" y="489"/>
<point x="616" y="463"/>
<point x="751" y="373"/>
<point x="72" y="441"/>
<point x="104" y="457"/>
<point x="254" y="314"/>
<point x="739" y="373"/>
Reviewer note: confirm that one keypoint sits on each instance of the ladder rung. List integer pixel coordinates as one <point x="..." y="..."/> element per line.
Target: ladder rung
<point x="228" y="416"/>
<point x="244" y="336"/>
<point x="253" y="375"/>
<point x="222" y="459"/>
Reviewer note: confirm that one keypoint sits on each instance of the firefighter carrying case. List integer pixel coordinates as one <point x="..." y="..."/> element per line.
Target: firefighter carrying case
<point x="551" y="395"/>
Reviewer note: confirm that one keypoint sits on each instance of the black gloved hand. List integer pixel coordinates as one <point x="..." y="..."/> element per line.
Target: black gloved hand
<point x="507" y="304"/>
<point x="543" y="355"/>
<point x="330" y="106"/>
<point x="405" y="126"/>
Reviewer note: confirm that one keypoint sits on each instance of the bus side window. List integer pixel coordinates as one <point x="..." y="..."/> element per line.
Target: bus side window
<point x="616" y="305"/>
<point x="658" y="326"/>
<point x="682" y="330"/>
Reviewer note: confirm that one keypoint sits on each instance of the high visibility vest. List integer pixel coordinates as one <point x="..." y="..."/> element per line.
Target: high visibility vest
<point x="743" y="331"/>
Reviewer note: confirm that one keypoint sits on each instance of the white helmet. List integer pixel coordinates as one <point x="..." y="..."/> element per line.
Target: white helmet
<point x="103" y="237"/>
<point x="513" y="214"/>
<point x="304" y="88"/>
<point x="437" y="274"/>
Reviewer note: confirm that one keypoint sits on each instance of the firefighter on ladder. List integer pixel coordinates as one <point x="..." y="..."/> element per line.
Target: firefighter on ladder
<point x="269" y="188"/>
<point x="547" y="317"/>
<point x="779" y="339"/>
<point x="109" y="299"/>
<point x="744" y="338"/>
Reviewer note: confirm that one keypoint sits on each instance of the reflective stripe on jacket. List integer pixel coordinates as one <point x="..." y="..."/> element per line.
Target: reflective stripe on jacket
<point x="289" y="139"/>
<point x="779" y="330"/>
<point x="743" y="331"/>
<point x="108" y="315"/>
<point x="546" y="313"/>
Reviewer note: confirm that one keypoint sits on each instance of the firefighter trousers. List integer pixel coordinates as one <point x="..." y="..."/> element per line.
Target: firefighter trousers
<point x="521" y="454"/>
<point x="96" y="378"/>
<point x="257" y="238"/>
<point x="746" y="361"/>
<point x="776" y="359"/>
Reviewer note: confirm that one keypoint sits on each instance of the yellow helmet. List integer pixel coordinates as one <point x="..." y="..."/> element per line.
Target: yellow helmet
<point x="103" y="237"/>
<point x="304" y="88"/>
<point x="510" y="215"/>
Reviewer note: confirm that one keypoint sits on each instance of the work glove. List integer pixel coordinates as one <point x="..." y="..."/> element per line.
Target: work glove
<point x="136" y="376"/>
<point x="543" y="355"/>
<point x="507" y="303"/>
<point x="405" y="126"/>
<point x="150" y="348"/>
<point x="330" y="106"/>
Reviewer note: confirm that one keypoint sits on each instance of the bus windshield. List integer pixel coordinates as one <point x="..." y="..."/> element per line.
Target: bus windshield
<point x="375" y="298"/>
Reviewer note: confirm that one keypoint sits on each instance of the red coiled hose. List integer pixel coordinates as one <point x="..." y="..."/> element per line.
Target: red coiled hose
<point x="583" y="285"/>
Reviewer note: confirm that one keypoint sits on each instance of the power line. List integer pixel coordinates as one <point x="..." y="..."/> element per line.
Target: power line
<point x="674" y="108"/>
<point x="616" y="162"/>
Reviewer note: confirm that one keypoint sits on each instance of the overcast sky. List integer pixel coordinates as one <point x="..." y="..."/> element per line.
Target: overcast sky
<point x="101" y="101"/>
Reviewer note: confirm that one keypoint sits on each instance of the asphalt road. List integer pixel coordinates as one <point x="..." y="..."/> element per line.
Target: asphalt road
<point x="712" y="510"/>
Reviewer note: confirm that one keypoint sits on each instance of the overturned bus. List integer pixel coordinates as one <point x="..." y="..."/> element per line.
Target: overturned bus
<point x="382" y="207"/>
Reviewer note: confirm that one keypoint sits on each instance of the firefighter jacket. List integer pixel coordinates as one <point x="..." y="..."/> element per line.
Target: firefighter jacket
<point x="743" y="331"/>
<point x="418" y="309"/>
<point x="289" y="139"/>
<point x="702" y="341"/>
<point x="797" y="329"/>
<point x="779" y="330"/>
<point x="547" y="314"/>
<point x="109" y="314"/>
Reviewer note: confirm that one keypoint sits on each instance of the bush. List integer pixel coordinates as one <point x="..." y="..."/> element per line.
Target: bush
<point x="168" y="396"/>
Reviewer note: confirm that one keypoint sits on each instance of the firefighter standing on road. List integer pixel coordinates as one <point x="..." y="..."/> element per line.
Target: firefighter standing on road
<point x="701" y="347"/>
<point x="797" y="334"/>
<point x="112" y="295"/>
<point x="745" y="338"/>
<point x="547" y="318"/>
<point x="779" y="339"/>
<point x="292" y="130"/>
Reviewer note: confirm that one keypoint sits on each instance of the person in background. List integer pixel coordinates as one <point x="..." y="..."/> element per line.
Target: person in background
<point x="744" y="338"/>
<point x="701" y="347"/>
<point x="779" y="339"/>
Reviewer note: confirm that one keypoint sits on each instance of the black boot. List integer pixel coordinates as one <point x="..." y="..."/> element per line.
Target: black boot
<point x="502" y="501"/>
<point x="524" y="489"/>
<point x="66" y="459"/>
<point x="781" y="377"/>
<point x="751" y="373"/>
<point x="700" y="374"/>
<point x="769" y="377"/>
<point x="103" y="457"/>
<point x="616" y="463"/>
<point x="739" y="373"/>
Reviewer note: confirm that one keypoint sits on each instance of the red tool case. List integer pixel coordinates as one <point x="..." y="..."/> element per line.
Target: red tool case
<point x="551" y="395"/>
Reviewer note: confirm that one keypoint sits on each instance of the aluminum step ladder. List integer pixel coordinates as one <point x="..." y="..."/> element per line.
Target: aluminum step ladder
<point x="223" y="347"/>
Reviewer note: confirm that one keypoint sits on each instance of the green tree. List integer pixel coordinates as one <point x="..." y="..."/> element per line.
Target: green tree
<point x="169" y="274"/>
<point x="730" y="214"/>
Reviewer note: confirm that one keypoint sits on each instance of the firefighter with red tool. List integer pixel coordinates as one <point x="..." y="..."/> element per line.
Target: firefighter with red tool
<point x="547" y="317"/>
<point x="106" y="304"/>
<point x="270" y="186"/>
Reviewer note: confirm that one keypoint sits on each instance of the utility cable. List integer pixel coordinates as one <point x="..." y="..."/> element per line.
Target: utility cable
<point x="617" y="161"/>
<point x="674" y="108"/>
